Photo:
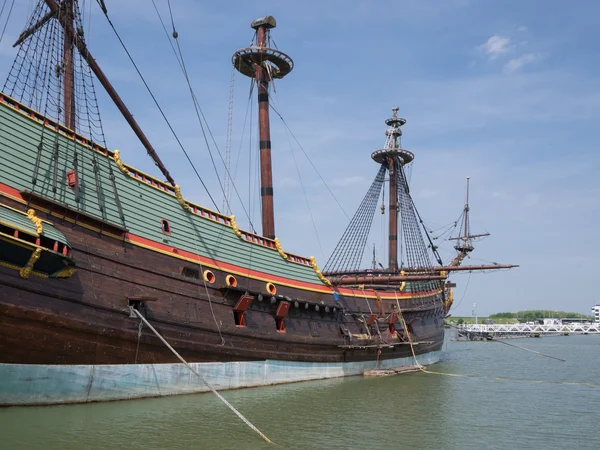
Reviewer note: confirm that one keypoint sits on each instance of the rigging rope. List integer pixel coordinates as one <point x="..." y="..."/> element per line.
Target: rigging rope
<point x="464" y="292"/>
<point x="312" y="218"/>
<point x="349" y="251"/>
<point x="415" y="249"/>
<point x="228" y="142"/>
<point x="159" y="108"/>
<point x="7" y="17"/>
<point x="309" y="160"/>
<point x="37" y="78"/>
<point x="200" y="115"/>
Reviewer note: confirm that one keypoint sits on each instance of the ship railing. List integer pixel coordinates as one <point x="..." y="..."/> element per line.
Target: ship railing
<point x="142" y="176"/>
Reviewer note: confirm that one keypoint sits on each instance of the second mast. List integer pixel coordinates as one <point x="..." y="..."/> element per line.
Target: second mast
<point x="264" y="64"/>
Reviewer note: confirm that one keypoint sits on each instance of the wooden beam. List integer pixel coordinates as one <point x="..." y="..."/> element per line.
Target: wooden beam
<point x="40" y="23"/>
<point x="112" y="93"/>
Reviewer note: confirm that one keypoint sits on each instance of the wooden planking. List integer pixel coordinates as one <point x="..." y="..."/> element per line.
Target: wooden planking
<point x="177" y="213"/>
<point x="214" y="240"/>
<point x="84" y="319"/>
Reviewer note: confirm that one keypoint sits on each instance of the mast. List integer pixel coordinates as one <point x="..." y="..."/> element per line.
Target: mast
<point x="264" y="64"/>
<point x="374" y="262"/>
<point x="66" y="18"/>
<point x="467" y="209"/>
<point x="464" y="243"/>
<point x="73" y="37"/>
<point x="393" y="133"/>
<point x="266" y="171"/>
<point x="393" y="157"/>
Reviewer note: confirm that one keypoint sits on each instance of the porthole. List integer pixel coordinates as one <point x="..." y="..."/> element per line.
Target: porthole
<point x="231" y="281"/>
<point x="209" y="276"/>
<point x="165" y="226"/>
<point x="271" y="289"/>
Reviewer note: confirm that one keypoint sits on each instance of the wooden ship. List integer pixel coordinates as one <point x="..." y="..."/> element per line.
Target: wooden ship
<point x="86" y="240"/>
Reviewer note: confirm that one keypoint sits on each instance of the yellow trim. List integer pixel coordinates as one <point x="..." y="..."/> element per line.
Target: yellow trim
<point x="180" y="199"/>
<point x="241" y="273"/>
<point x="26" y="271"/>
<point x="67" y="272"/>
<point x="36" y="221"/>
<point x="450" y="297"/>
<point x="236" y="230"/>
<point x="279" y="249"/>
<point x="117" y="159"/>
<point x="12" y="266"/>
<point x="313" y="263"/>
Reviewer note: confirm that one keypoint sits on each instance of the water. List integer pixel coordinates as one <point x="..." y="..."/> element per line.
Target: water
<point x="416" y="410"/>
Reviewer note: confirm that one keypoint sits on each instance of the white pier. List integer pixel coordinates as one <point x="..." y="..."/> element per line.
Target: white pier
<point x="497" y="331"/>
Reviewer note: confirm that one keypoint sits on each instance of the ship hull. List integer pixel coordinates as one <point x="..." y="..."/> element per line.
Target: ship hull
<point x="36" y="384"/>
<point x="134" y="242"/>
<point x="75" y="340"/>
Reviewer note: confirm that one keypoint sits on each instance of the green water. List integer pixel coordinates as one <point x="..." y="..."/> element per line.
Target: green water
<point x="413" y="411"/>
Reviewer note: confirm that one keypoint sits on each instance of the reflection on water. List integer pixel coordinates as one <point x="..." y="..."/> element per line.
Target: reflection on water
<point x="415" y="410"/>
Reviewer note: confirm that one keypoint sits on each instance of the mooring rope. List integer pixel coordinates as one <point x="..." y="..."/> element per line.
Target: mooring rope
<point x="412" y="348"/>
<point x="229" y="405"/>
<point x="528" y="350"/>
<point x="520" y="348"/>
<point x="458" y="375"/>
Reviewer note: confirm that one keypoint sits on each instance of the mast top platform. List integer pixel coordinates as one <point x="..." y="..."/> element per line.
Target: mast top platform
<point x="395" y="121"/>
<point x="276" y="63"/>
<point x="392" y="145"/>
<point x="381" y="156"/>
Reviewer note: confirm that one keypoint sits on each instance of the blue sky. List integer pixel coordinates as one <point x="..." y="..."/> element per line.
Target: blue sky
<point x="504" y="92"/>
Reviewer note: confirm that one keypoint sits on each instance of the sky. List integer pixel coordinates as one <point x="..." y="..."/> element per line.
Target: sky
<point x="504" y="92"/>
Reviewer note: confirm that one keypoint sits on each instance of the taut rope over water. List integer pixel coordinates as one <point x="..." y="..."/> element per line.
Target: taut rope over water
<point x="529" y="350"/>
<point x="229" y="405"/>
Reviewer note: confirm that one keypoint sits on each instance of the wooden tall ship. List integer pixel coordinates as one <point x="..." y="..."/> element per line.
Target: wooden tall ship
<point x="86" y="240"/>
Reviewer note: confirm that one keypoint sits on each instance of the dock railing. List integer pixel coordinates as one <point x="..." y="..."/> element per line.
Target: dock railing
<point x="478" y="331"/>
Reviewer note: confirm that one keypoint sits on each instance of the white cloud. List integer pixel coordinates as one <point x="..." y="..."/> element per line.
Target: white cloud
<point x="516" y="64"/>
<point x="496" y="46"/>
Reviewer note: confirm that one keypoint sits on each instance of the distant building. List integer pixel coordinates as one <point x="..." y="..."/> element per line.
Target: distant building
<point x="596" y="313"/>
<point x="575" y="320"/>
<point x="550" y="321"/>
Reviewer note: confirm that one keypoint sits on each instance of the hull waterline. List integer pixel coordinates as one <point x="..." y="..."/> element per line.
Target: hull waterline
<point x="37" y="384"/>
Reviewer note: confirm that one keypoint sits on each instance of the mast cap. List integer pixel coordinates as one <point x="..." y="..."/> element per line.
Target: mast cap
<point x="267" y="22"/>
